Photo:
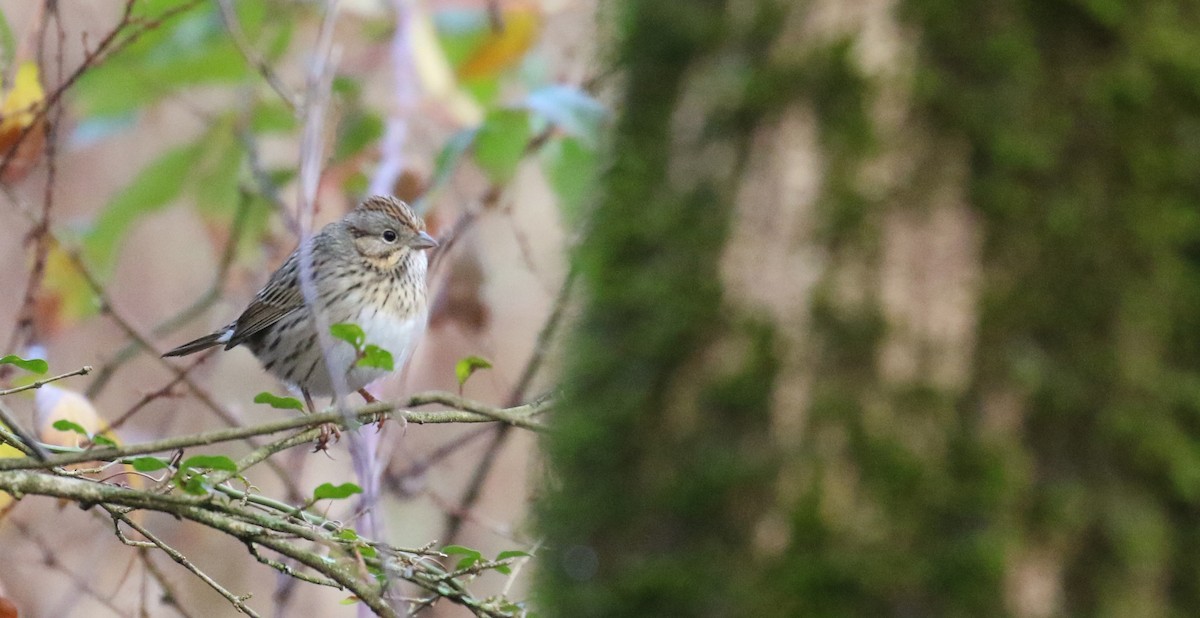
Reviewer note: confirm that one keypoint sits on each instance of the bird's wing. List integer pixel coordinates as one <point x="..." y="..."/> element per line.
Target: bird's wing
<point x="279" y="297"/>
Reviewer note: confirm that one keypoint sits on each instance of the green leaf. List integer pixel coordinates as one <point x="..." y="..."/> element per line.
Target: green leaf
<point x="469" y="365"/>
<point x="155" y="186"/>
<point x="347" y="534"/>
<point x="8" y="44"/>
<point x="350" y="600"/>
<point x="65" y="425"/>
<point x="449" y="157"/>
<point x="209" y="462"/>
<point x="149" y="464"/>
<point x="103" y="440"/>
<point x="571" y="167"/>
<point x="469" y="556"/>
<point x="366" y="550"/>
<point x="329" y="491"/>
<point x="279" y="403"/>
<point x="33" y="365"/>
<point x="460" y="31"/>
<point x="350" y="333"/>
<point x="570" y="109"/>
<point x="195" y="485"/>
<point x="189" y="50"/>
<point x="504" y="555"/>
<point x="500" y="143"/>
<point x="217" y="178"/>
<point x="356" y="133"/>
<point x="273" y="117"/>
<point x="377" y="357"/>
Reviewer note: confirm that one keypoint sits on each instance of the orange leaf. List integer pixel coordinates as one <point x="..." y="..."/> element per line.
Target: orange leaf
<point x="502" y="49"/>
<point x="65" y="295"/>
<point x="18" y="113"/>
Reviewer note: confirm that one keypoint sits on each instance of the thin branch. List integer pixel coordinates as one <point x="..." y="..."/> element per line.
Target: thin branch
<point x="82" y="371"/>
<point x="229" y="18"/>
<point x="51" y="560"/>
<point x="110" y="44"/>
<point x="276" y="533"/>
<point x="25" y="441"/>
<point x="130" y="331"/>
<point x="468" y="412"/>
<point x="238" y="602"/>
<point x="170" y="595"/>
<point x="289" y="571"/>
<point x="454" y="518"/>
<point x="187" y="314"/>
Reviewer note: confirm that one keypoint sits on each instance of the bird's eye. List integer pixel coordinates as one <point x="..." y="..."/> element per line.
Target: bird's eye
<point x="389" y="236"/>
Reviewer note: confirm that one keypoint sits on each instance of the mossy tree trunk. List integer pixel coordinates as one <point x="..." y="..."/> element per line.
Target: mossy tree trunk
<point x="891" y="308"/>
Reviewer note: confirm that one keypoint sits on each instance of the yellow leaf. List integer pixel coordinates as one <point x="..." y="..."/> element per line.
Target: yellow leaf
<point x="436" y="75"/>
<point x="18" y="116"/>
<point x="504" y="48"/>
<point x="20" y="104"/>
<point x="7" y="451"/>
<point x="66" y="296"/>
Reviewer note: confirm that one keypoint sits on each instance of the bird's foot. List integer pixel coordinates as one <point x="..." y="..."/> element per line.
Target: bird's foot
<point x="328" y="430"/>
<point x="380" y="418"/>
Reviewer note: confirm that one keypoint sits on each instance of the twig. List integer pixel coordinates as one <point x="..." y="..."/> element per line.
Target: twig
<point x="130" y="331"/>
<point x="229" y="18"/>
<point x="165" y="391"/>
<point x="470" y="495"/>
<point x="238" y="602"/>
<point x="289" y="571"/>
<point x="82" y="371"/>
<point x="395" y="480"/>
<point x="275" y="533"/>
<point x="468" y="412"/>
<point x="170" y="595"/>
<point x="454" y="518"/>
<point x="24" y="440"/>
<point x="109" y="45"/>
<point x="189" y="313"/>
<point x="50" y="559"/>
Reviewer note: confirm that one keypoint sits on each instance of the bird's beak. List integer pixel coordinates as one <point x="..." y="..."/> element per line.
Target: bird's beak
<point x="423" y="241"/>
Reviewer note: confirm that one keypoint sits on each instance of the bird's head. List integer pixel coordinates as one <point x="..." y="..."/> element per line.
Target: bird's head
<point x="384" y="230"/>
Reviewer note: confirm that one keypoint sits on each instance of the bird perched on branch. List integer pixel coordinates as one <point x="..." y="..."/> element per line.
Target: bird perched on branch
<point x="368" y="269"/>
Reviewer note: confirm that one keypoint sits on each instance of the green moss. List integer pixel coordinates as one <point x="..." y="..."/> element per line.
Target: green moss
<point x="662" y="462"/>
<point x="1081" y="118"/>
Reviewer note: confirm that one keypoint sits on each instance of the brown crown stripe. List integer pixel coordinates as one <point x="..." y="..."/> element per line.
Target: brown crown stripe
<point x="392" y="207"/>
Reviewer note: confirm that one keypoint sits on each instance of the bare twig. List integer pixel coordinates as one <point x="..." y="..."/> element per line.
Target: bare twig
<point x="275" y="532"/>
<point x="189" y="313"/>
<point x="467" y="412"/>
<point x="82" y="371"/>
<point x="455" y="517"/>
<point x="170" y="595"/>
<point x="110" y="44"/>
<point x="26" y="442"/>
<point x="238" y="602"/>
<point x="50" y="560"/>
<point x="252" y="57"/>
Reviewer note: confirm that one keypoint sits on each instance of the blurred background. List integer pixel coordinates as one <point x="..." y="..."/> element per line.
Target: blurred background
<point x="176" y="155"/>
<point x="848" y="308"/>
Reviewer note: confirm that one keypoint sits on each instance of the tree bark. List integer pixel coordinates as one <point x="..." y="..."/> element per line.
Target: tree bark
<point x="890" y="309"/>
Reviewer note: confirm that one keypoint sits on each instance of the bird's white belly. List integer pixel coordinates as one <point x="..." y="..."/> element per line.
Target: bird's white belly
<point x="397" y="335"/>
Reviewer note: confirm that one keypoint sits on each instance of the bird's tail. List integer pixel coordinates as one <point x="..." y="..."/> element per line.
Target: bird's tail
<point x="202" y="343"/>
